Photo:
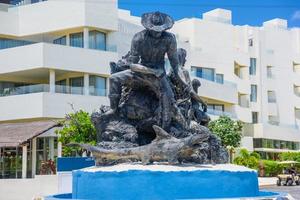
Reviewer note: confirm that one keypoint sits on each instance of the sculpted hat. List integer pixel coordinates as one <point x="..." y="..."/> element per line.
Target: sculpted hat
<point x="157" y="21"/>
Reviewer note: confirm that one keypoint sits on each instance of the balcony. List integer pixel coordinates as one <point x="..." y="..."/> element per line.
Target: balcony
<point x="88" y="13"/>
<point x="243" y="114"/>
<point x="62" y="89"/>
<point x="221" y="113"/>
<point x="53" y="56"/>
<point x="211" y="90"/>
<point x="297" y="90"/>
<point x="46" y="105"/>
<point x="242" y="58"/>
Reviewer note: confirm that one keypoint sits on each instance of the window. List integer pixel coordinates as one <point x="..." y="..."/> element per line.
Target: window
<point x="271" y="97"/>
<point x="76" y="85"/>
<point x="220" y="78"/>
<point x="97" y="40"/>
<point x="61" y="40"/>
<point x="254" y="117"/>
<point x="269" y="72"/>
<point x="61" y="86"/>
<point x="252" y="69"/>
<point x="297" y="90"/>
<point x="253" y="95"/>
<point x="274" y="120"/>
<point x="250" y="42"/>
<point x="243" y="100"/>
<point x="218" y="107"/>
<point x="275" y="144"/>
<point x="9" y="43"/>
<point x="76" y="40"/>
<point x="205" y="73"/>
<point x="97" y="86"/>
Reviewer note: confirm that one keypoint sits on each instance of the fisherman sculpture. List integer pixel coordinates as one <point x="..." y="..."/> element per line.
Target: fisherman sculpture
<point x="154" y="116"/>
<point x="147" y="64"/>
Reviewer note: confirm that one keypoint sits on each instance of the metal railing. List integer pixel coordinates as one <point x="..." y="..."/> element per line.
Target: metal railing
<point x="10" y="43"/>
<point x="38" y="88"/>
<point x="225" y="82"/>
<point x="28" y="89"/>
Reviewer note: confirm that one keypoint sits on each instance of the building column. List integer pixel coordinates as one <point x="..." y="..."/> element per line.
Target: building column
<point x="51" y="148"/>
<point x="52" y="80"/>
<point x="59" y="149"/>
<point x="24" y="161"/>
<point x="107" y="86"/>
<point x="86" y="84"/>
<point x="86" y="38"/>
<point x="33" y="159"/>
<point x="68" y="39"/>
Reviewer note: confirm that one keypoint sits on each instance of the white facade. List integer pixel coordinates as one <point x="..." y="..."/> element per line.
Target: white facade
<point x="49" y="76"/>
<point x="229" y="51"/>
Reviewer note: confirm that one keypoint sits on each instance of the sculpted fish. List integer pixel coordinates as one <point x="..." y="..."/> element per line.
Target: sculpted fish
<point x="165" y="148"/>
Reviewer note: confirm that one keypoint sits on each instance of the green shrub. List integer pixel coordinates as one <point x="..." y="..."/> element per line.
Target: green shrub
<point x="295" y="156"/>
<point x="271" y="168"/>
<point x="247" y="159"/>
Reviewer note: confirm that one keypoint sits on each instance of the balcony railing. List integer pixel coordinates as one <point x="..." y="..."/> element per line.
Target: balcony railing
<point x="10" y="43"/>
<point x="38" y="88"/>
<point x="220" y="113"/>
<point x="24" y="2"/>
<point x="245" y="103"/>
<point x="28" y="89"/>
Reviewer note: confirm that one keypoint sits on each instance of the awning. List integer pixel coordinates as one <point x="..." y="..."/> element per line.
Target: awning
<point x="15" y="134"/>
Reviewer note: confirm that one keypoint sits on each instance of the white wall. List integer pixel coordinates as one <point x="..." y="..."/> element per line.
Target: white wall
<point x="44" y="55"/>
<point x="54" y="15"/>
<point x="27" y="189"/>
<point x="46" y="105"/>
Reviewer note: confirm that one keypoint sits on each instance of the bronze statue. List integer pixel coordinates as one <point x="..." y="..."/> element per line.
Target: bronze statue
<point x="154" y="116"/>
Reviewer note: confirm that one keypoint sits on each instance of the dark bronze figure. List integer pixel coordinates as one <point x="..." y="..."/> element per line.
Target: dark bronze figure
<point x="146" y="104"/>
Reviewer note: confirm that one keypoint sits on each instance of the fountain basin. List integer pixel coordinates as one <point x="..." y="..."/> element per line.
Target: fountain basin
<point x="130" y="181"/>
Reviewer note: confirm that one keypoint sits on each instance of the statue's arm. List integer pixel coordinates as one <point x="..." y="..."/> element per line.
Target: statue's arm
<point x="172" y="54"/>
<point x="134" y="56"/>
<point x="197" y="98"/>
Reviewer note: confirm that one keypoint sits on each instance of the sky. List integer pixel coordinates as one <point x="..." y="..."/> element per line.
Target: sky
<point x="251" y="12"/>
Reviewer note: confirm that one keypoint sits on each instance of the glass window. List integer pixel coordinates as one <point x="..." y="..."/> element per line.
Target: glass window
<point x="76" y="40"/>
<point x="274" y="120"/>
<point x="250" y="42"/>
<point x="61" y="86"/>
<point x="220" y="78"/>
<point x="10" y="43"/>
<point x="205" y="73"/>
<point x="61" y="40"/>
<point x="271" y="97"/>
<point x="97" y="86"/>
<point x="76" y="85"/>
<point x="252" y="68"/>
<point x="269" y="72"/>
<point x="254" y="117"/>
<point x="97" y="40"/>
<point x="253" y="95"/>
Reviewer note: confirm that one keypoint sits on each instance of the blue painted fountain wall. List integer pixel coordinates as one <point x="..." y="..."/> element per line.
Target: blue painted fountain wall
<point x="142" y="184"/>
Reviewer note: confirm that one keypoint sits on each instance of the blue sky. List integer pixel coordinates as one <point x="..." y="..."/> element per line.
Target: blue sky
<point x="253" y="12"/>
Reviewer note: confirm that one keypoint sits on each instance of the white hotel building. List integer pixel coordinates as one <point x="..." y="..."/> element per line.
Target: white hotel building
<point x="57" y="52"/>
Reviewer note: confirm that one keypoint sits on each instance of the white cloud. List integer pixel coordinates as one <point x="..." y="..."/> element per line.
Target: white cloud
<point x="296" y="15"/>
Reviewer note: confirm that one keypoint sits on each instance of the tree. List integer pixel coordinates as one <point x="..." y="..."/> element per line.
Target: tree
<point x="229" y="131"/>
<point x="77" y="128"/>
